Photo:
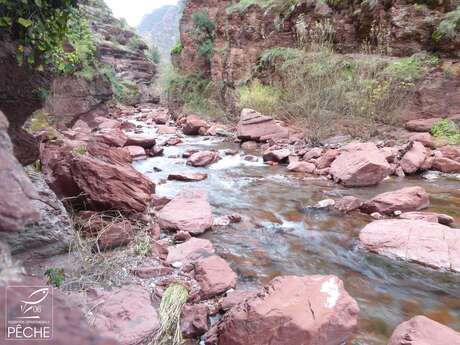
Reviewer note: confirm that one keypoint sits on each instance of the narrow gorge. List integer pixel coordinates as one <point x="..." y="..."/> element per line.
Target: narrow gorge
<point x="230" y="172"/>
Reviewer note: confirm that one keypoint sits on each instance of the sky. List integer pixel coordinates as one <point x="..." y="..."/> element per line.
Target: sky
<point x="134" y="10"/>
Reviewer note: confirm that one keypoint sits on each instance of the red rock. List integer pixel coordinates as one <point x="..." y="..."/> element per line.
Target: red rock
<point x="451" y="152"/>
<point x="194" y="320"/>
<point x="404" y="200"/>
<point x="111" y="186"/>
<point x="214" y="276"/>
<point x="203" y="158"/>
<point x="113" y="155"/>
<point x="140" y="140"/>
<point x="425" y="138"/>
<point x="279" y="156"/>
<point x="425" y="243"/>
<point x="187" y="177"/>
<point x="105" y="123"/>
<point x="236" y="297"/>
<point x="291" y="310"/>
<point x="348" y="204"/>
<point x="155" y="151"/>
<point x="446" y="165"/>
<point x="360" y="165"/>
<point x="125" y="314"/>
<point x="148" y="272"/>
<point x="190" y="250"/>
<point x="326" y="159"/>
<point x="188" y="211"/>
<point x="159" y="201"/>
<point x="315" y="152"/>
<point x="390" y="153"/>
<point x="155" y="231"/>
<point x="414" y="158"/>
<point x="115" y="235"/>
<point x="136" y="152"/>
<point x="421" y="330"/>
<point x="249" y="146"/>
<point x="429" y="217"/>
<point x="161" y="117"/>
<point x="182" y="236"/>
<point x="173" y="141"/>
<point x="303" y="167"/>
<point x="422" y="125"/>
<point x="257" y="127"/>
<point x="192" y="125"/>
<point x="111" y="137"/>
<point x="166" y="130"/>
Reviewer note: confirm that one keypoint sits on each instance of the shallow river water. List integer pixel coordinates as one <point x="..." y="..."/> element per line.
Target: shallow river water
<point x="281" y="235"/>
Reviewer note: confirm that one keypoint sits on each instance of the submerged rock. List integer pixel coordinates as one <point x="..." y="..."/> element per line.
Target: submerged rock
<point x="290" y="310"/>
<point x="429" y="244"/>
<point x="188" y="211"/>
<point x="360" y="165"/>
<point x="404" y="200"/>
<point x="420" y="330"/>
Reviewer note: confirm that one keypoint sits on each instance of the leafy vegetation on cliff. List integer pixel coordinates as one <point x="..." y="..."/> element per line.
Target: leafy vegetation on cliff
<point x="448" y="28"/>
<point x="203" y="32"/>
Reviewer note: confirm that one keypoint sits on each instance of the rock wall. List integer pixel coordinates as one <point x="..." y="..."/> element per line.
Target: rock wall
<point x="404" y="27"/>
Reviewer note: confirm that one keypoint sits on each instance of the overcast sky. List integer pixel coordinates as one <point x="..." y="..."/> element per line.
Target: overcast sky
<point x="134" y="10"/>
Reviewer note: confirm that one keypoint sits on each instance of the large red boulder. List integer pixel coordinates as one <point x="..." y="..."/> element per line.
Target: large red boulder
<point x="426" y="243"/>
<point x="276" y="155"/>
<point x="414" y="158"/>
<point x="422" y="125"/>
<point x="257" y="127"/>
<point x="360" y="165"/>
<point x="446" y="165"/>
<point x="405" y="200"/>
<point x="451" y="152"/>
<point x="192" y="125"/>
<point x="110" y="186"/>
<point x="421" y="330"/>
<point x="188" y="211"/>
<point x="302" y="167"/>
<point x="112" y="137"/>
<point x="203" y="158"/>
<point x="140" y="140"/>
<point x="214" y="276"/>
<point x="290" y="310"/>
<point x="125" y="314"/>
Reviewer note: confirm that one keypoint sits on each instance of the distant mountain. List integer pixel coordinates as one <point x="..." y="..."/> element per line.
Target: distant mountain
<point x="161" y="29"/>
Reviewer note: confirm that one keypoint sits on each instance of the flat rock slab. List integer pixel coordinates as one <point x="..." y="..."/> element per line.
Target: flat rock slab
<point x="187" y="177"/>
<point x="429" y="217"/>
<point x="421" y="330"/>
<point x="190" y="250"/>
<point x="257" y="127"/>
<point x="188" y="211"/>
<point x="290" y="310"/>
<point x="214" y="276"/>
<point x="430" y="244"/>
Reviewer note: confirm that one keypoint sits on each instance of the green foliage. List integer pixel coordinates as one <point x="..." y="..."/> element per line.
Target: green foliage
<point x="177" y="49"/>
<point x="142" y="247"/>
<point x="55" y="276"/>
<point x="264" y="98"/>
<point x="202" y="22"/>
<point x="406" y="70"/>
<point x="270" y="56"/>
<point x="448" y="28"/>
<point x="446" y="129"/>
<point x="206" y="48"/>
<point x="80" y="150"/>
<point x="42" y="28"/>
<point x="154" y="54"/>
<point x="203" y="33"/>
<point x="243" y="5"/>
<point x="124" y="91"/>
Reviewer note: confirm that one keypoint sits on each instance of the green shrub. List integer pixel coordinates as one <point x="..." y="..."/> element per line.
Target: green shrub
<point x="448" y="28"/>
<point x="80" y="150"/>
<point x="203" y="33"/>
<point x="154" y="54"/>
<point x="407" y="69"/>
<point x="177" y="49"/>
<point x="446" y="129"/>
<point x="143" y="247"/>
<point x="270" y="56"/>
<point x="55" y="276"/>
<point x="202" y="22"/>
<point x="264" y="98"/>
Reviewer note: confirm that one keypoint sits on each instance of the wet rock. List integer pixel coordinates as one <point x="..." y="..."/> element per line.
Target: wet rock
<point x="257" y="127"/>
<point x="309" y="310"/>
<point x="428" y="217"/>
<point x="125" y="314"/>
<point x="50" y="234"/>
<point x="249" y="146"/>
<point x="140" y="140"/>
<point x="159" y="201"/>
<point x="279" y="156"/>
<point x="190" y="250"/>
<point x="451" y="152"/>
<point x="236" y="297"/>
<point x="360" y="165"/>
<point x="192" y="125"/>
<point x="214" y="276"/>
<point x="326" y="159"/>
<point x="422" y="125"/>
<point x="166" y="130"/>
<point x="348" y="204"/>
<point x="390" y="153"/>
<point x="115" y="234"/>
<point x="414" y="158"/>
<point x="111" y="186"/>
<point x="405" y="200"/>
<point x="425" y="243"/>
<point x="303" y="167"/>
<point x="155" y="151"/>
<point x="250" y="158"/>
<point x="70" y="326"/>
<point x="188" y="177"/>
<point x="161" y="116"/>
<point x="195" y="215"/>
<point x="446" y="165"/>
<point x="425" y="138"/>
<point x="16" y="203"/>
<point x="173" y="141"/>
<point x="421" y="330"/>
<point x="399" y="172"/>
<point x="194" y="320"/>
<point x="136" y="152"/>
<point x="315" y="152"/>
<point x="326" y="203"/>
<point x="111" y="137"/>
<point x="182" y="236"/>
<point x="203" y="158"/>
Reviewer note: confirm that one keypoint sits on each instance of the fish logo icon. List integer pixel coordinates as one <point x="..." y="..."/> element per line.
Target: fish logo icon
<point x="31" y="305"/>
